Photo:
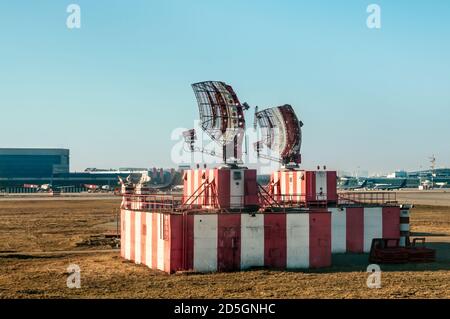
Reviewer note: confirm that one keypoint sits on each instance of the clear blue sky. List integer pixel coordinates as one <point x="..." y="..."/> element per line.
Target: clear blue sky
<point x="114" y="90"/>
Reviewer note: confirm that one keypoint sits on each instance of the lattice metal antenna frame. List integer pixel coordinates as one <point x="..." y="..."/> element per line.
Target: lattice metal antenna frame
<point x="281" y="132"/>
<point x="221" y="113"/>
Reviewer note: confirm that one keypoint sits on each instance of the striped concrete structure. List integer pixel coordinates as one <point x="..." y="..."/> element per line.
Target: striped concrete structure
<point x="404" y="224"/>
<point x="223" y="223"/>
<point x="306" y="187"/>
<point x="220" y="188"/>
<point x="226" y="242"/>
<point x="353" y="228"/>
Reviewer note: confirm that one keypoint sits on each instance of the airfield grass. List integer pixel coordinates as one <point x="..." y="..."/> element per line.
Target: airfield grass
<point x="29" y="230"/>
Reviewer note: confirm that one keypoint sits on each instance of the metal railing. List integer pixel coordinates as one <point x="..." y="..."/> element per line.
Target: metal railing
<point x="179" y="203"/>
<point x="157" y="203"/>
<point x="379" y="198"/>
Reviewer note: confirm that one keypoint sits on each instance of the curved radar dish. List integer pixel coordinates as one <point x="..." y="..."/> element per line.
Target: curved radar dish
<point x="281" y="132"/>
<point x="221" y="116"/>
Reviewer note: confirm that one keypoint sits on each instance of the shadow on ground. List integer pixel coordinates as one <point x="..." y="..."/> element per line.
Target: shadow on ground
<point x="358" y="262"/>
<point x="428" y="235"/>
<point x="28" y="256"/>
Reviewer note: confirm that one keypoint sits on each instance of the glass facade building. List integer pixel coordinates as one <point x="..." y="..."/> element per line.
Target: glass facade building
<point x="34" y="166"/>
<point x="33" y="163"/>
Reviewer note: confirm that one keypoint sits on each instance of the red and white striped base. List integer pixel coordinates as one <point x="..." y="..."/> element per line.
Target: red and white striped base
<point x="221" y="187"/>
<point x="353" y="228"/>
<point x="226" y="242"/>
<point x="404" y="225"/>
<point x="208" y="242"/>
<point x="300" y="186"/>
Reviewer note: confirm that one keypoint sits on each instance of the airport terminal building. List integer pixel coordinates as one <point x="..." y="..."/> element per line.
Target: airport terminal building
<point x="32" y="163"/>
<point x="38" y="166"/>
<point x="41" y="166"/>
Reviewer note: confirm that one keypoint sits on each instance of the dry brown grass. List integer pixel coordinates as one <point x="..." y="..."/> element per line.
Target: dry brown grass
<point x="59" y="225"/>
<point x="432" y="221"/>
<point x="39" y="226"/>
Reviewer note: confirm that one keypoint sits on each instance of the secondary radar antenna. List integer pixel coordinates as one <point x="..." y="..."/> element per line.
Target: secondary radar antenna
<point x="281" y="132"/>
<point x="221" y="118"/>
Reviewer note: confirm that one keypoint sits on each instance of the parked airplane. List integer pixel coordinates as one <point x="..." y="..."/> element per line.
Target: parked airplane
<point x="97" y="189"/>
<point x="39" y="188"/>
<point x="178" y="188"/>
<point x="441" y="185"/>
<point x="361" y="184"/>
<point x="387" y="187"/>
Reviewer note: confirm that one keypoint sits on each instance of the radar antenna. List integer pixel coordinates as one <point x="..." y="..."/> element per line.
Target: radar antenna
<point x="281" y="132"/>
<point x="221" y="117"/>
